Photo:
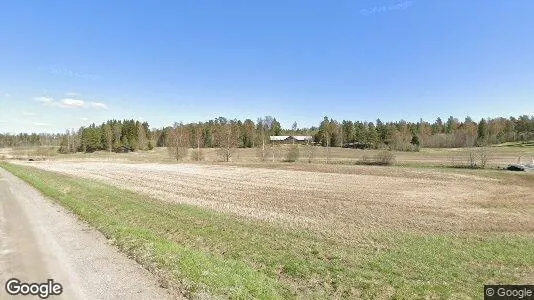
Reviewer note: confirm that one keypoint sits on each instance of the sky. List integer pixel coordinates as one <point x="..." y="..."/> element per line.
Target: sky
<point x="64" y="64"/>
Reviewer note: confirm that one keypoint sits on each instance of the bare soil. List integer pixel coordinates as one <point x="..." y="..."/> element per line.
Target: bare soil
<point x="345" y="205"/>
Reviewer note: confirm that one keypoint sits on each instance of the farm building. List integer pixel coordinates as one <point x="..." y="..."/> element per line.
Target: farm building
<point x="291" y="139"/>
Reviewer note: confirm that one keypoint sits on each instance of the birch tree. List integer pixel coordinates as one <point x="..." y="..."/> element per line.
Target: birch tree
<point x="226" y="136"/>
<point x="177" y="144"/>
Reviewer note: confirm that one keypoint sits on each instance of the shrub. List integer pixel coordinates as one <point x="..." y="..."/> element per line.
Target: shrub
<point x="197" y="155"/>
<point x="177" y="153"/>
<point x="261" y="153"/>
<point x="384" y="158"/>
<point x="483" y="155"/>
<point x="225" y="154"/>
<point x="477" y="159"/>
<point x="471" y="160"/>
<point x="293" y="153"/>
<point x="415" y="140"/>
<point x="310" y="152"/>
<point x="365" y="160"/>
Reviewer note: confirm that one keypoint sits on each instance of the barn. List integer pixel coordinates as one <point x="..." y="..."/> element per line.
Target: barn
<point x="291" y="139"/>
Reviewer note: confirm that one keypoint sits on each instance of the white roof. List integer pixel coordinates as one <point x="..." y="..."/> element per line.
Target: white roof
<point x="303" y="137"/>
<point x="278" y="137"/>
<point x="285" y="137"/>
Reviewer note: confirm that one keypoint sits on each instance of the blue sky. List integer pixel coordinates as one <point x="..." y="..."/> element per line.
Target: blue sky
<point x="64" y="64"/>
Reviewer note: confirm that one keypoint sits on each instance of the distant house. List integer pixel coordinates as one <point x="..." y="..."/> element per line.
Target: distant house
<point x="291" y="139"/>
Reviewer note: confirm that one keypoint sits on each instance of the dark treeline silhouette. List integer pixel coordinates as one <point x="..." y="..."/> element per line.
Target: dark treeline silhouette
<point x="131" y="135"/>
<point x="114" y="135"/>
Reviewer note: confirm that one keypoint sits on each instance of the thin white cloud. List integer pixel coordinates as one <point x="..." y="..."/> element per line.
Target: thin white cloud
<point x="72" y="94"/>
<point x="40" y="124"/>
<point x="7" y="95"/>
<point x="386" y="8"/>
<point x="98" y="105"/>
<point x="2" y="122"/>
<point x="26" y="113"/>
<point x="71" y="103"/>
<point x="84" y="118"/>
<point x="69" y="73"/>
<point x="44" y="100"/>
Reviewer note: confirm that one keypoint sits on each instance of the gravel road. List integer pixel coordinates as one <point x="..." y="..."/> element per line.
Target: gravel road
<point x="40" y="240"/>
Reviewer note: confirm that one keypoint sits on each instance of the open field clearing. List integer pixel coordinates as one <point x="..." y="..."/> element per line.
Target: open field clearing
<point x="375" y="232"/>
<point x="345" y="205"/>
<point x="498" y="156"/>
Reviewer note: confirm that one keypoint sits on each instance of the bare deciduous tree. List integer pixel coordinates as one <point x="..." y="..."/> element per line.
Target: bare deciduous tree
<point x="484" y="157"/>
<point x="198" y="135"/>
<point x="471" y="159"/>
<point x="226" y="136"/>
<point x="265" y="125"/>
<point x="177" y="145"/>
<point x="197" y="154"/>
<point x="310" y="152"/>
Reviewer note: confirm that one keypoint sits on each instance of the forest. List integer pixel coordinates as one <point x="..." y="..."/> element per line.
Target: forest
<point x="132" y="135"/>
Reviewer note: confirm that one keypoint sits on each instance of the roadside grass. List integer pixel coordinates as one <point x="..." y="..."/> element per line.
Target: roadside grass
<point x="198" y="251"/>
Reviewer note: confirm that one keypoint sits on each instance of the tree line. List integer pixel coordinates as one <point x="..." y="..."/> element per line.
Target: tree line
<point x="404" y="135"/>
<point x="225" y="134"/>
<point x="113" y="135"/>
<point x="29" y="140"/>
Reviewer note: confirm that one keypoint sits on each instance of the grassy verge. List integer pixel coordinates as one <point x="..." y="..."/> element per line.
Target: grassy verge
<point x="201" y="251"/>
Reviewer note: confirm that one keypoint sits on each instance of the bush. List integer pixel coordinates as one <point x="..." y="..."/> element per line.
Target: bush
<point x="197" y="155"/>
<point x="177" y="153"/>
<point x="261" y="154"/>
<point x="293" y="153"/>
<point x="310" y="152"/>
<point x="471" y="160"/>
<point x="225" y="154"/>
<point x="365" y="160"/>
<point x="482" y="155"/>
<point x="402" y="146"/>
<point x="385" y="158"/>
<point x="382" y="158"/>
